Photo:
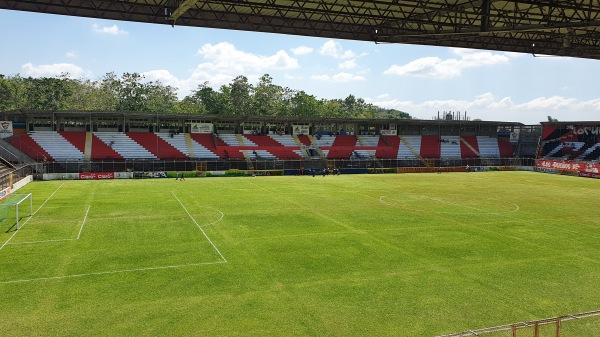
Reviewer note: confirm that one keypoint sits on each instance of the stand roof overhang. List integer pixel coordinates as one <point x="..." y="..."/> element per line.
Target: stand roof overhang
<point x="559" y="28"/>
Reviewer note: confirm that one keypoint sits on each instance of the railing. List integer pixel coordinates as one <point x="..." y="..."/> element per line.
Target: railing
<point x="534" y="326"/>
<point x="9" y="176"/>
<point x="265" y="164"/>
<point x="29" y="150"/>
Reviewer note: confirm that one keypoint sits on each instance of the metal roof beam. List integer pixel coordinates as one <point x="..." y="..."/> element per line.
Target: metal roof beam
<point x="184" y="7"/>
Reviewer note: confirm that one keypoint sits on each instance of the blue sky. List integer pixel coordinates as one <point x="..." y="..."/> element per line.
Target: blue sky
<point x="420" y="80"/>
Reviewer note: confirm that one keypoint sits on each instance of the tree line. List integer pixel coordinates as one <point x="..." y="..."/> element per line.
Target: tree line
<point x="131" y="92"/>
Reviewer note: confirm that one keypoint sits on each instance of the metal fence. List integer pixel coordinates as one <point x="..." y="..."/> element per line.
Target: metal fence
<point x="565" y="326"/>
<point x="9" y="176"/>
<point x="224" y="165"/>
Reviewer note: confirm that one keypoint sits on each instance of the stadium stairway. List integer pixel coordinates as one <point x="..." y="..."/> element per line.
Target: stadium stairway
<point x="468" y="147"/>
<point x="305" y="140"/>
<point x="410" y="147"/>
<point x="302" y="152"/>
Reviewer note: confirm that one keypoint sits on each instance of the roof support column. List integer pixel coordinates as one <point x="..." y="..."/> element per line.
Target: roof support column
<point x="485" y="15"/>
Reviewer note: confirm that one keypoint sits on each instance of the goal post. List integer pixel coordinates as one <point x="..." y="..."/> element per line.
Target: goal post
<point x="18" y="202"/>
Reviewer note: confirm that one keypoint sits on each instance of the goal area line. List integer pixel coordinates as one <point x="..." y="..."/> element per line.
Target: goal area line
<point x="15" y="200"/>
<point x="57" y="240"/>
<point x="222" y="259"/>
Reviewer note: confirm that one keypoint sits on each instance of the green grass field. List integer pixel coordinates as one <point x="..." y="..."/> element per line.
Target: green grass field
<point x="349" y="255"/>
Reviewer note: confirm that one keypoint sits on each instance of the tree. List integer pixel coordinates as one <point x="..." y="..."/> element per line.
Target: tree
<point x="239" y="95"/>
<point x="552" y="120"/>
<point x="160" y="98"/>
<point x="205" y="99"/>
<point x="334" y="108"/>
<point x="392" y="113"/>
<point x="132" y="93"/>
<point x="43" y="93"/>
<point x="305" y="105"/>
<point x="267" y="98"/>
<point x="106" y="93"/>
<point x="6" y="94"/>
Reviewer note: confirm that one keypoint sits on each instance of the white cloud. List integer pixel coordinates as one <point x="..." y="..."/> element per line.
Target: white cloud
<point x="323" y="78"/>
<point x="226" y="57"/>
<point x="112" y="30"/>
<point x="338" y="78"/>
<point x="435" y="67"/>
<point x="71" y="54"/>
<point x="489" y="107"/>
<point x="349" y="64"/>
<point x="292" y="77"/>
<point x="52" y="70"/>
<point x="164" y="76"/>
<point x="222" y="62"/>
<point x="302" y="50"/>
<point x="334" y="49"/>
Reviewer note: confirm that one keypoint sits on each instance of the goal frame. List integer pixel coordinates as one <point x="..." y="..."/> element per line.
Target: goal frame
<point x="20" y="199"/>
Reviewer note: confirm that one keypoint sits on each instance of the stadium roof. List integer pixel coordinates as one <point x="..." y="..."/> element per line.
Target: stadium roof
<point x="550" y="27"/>
<point x="25" y="115"/>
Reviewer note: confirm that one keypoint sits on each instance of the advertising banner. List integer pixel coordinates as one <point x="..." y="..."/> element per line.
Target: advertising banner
<point x="514" y="137"/>
<point x="5" y="193"/>
<point x="94" y="175"/>
<point x="388" y="132"/>
<point x="201" y="127"/>
<point x="6" y="129"/>
<point x="300" y="129"/>
<point x="589" y="170"/>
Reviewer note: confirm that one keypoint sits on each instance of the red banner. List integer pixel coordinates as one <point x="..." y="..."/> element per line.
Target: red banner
<point x="94" y="175"/>
<point x="582" y="169"/>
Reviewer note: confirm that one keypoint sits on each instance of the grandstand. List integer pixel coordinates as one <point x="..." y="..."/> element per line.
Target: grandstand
<point x="141" y="142"/>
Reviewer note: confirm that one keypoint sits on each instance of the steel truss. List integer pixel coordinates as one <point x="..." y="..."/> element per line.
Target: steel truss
<point x="560" y="28"/>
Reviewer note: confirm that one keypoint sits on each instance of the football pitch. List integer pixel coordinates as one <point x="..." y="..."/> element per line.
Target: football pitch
<point x="349" y="255"/>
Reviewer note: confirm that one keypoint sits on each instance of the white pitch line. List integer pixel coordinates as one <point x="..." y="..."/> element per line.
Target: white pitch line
<point x="83" y="223"/>
<point x="110" y="272"/>
<point x="479" y="211"/>
<point x="41" y="241"/>
<point x="200" y="228"/>
<point x="214" y="222"/>
<point x="570" y="231"/>
<point x="57" y="240"/>
<point x="34" y="213"/>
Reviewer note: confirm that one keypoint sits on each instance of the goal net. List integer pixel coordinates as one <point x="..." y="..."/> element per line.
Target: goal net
<point x="15" y="206"/>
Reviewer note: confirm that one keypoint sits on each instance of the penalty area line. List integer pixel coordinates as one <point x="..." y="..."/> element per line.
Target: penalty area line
<point x="109" y="272"/>
<point x="34" y="213"/>
<point x="200" y="228"/>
